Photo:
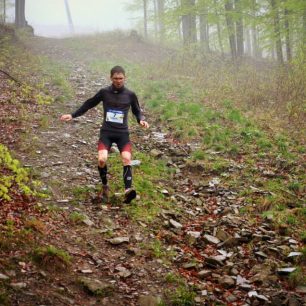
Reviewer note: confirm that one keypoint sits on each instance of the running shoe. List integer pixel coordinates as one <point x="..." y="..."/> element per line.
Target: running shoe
<point x="129" y="195"/>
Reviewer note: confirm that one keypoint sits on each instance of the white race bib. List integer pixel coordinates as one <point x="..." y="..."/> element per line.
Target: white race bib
<point x="114" y="116"/>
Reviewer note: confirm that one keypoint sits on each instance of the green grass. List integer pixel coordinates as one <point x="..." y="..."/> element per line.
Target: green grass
<point x="173" y="278"/>
<point x="181" y="296"/>
<point x="76" y="217"/>
<point x="297" y="278"/>
<point x="55" y="73"/>
<point x="146" y="178"/>
<point x="51" y="257"/>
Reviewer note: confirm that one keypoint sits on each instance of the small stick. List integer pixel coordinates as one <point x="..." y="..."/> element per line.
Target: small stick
<point x="8" y="75"/>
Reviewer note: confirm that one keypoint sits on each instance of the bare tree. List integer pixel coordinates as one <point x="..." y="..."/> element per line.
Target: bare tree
<point x="218" y="28"/>
<point x="255" y="47"/>
<point x="155" y="19"/>
<point x="20" y="20"/>
<point x="204" y="26"/>
<point x="161" y="25"/>
<point x="277" y="34"/>
<point x="68" y="13"/>
<point x="239" y="28"/>
<point x="230" y="27"/>
<point x="304" y="31"/>
<point x="145" y="19"/>
<point x="287" y="34"/>
<point x="3" y="14"/>
<point x="188" y="22"/>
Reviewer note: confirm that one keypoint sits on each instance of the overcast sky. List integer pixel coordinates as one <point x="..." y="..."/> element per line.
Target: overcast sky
<point x="48" y="17"/>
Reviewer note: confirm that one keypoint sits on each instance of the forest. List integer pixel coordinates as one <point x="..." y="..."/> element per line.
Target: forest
<point x="215" y="154"/>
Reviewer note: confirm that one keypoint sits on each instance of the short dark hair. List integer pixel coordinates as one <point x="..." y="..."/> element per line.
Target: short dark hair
<point x="117" y="69"/>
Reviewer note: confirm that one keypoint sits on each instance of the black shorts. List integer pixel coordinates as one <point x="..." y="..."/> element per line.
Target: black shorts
<point x="122" y="140"/>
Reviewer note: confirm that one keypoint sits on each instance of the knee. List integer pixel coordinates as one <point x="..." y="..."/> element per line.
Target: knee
<point x="102" y="162"/>
<point x="126" y="159"/>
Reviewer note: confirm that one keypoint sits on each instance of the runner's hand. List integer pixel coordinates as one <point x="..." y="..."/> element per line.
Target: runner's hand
<point x="144" y="124"/>
<point x="67" y="117"/>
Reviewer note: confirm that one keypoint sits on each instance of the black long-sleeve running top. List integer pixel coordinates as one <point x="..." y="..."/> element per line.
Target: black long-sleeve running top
<point x="116" y="105"/>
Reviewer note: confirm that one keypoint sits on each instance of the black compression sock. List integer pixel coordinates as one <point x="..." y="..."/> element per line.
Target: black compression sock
<point x="127" y="176"/>
<point x="103" y="174"/>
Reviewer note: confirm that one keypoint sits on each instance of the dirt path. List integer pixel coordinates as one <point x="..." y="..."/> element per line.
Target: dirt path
<point x="227" y="257"/>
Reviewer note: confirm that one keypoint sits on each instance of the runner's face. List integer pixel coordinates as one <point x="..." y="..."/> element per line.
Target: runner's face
<point x="118" y="79"/>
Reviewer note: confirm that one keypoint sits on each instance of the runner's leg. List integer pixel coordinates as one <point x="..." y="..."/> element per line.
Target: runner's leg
<point x="127" y="169"/>
<point x="102" y="167"/>
<point x="125" y="148"/>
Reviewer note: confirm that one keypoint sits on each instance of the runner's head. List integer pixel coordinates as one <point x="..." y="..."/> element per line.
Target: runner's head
<point x="117" y="75"/>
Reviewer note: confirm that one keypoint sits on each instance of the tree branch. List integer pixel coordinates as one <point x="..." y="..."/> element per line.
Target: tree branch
<point x="9" y="76"/>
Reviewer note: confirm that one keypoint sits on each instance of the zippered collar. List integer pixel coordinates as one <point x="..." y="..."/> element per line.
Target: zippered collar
<point x="116" y="90"/>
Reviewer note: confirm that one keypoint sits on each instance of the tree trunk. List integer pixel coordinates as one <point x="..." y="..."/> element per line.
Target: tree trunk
<point x="276" y="23"/>
<point x="255" y="47"/>
<point x="239" y="29"/>
<point x="3" y="16"/>
<point x="161" y="26"/>
<point x="20" y="20"/>
<point x="287" y="34"/>
<point x="179" y="22"/>
<point x="304" y="33"/>
<point x="145" y="19"/>
<point x="230" y="27"/>
<point x="248" y="45"/>
<point x="188" y="22"/>
<point x="68" y="13"/>
<point x="155" y="20"/>
<point x="204" y="31"/>
<point x="219" y="30"/>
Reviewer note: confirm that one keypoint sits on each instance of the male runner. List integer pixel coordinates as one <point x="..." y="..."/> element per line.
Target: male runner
<point x="117" y="100"/>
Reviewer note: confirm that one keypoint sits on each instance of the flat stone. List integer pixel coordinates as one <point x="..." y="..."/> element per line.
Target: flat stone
<point x="286" y="270"/>
<point x="175" y="224"/>
<point x="189" y="265"/>
<point x="97" y="287"/>
<point x="194" y="234"/>
<point x="227" y="281"/>
<point x="259" y="296"/>
<point x="86" y="271"/>
<point x="165" y="192"/>
<point x="231" y="298"/>
<point x="222" y="235"/>
<point x="295" y="254"/>
<point x="123" y="272"/>
<point x="204" y="273"/>
<point x="119" y="240"/>
<point x="156" y="153"/>
<point x="213" y="262"/>
<point x="243" y="283"/>
<point x="19" y="285"/>
<point x="292" y="241"/>
<point x="88" y="222"/>
<point x="149" y="300"/>
<point x="3" y="277"/>
<point x="231" y="242"/>
<point x="261" y="254"/>
<point x="211" y="239"/>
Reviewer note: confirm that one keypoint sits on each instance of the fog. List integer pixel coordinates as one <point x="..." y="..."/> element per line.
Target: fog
<point x="49" y="18"/>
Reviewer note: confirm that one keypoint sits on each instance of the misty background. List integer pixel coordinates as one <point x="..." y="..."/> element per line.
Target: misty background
<point x="48" y="18"/>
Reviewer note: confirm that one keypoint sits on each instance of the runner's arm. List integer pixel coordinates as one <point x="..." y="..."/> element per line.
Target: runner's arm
<point x="88" y="104"/>
<point x="136" y="109"/>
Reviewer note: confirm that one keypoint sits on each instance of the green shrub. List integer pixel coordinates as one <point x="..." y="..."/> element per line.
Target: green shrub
<point x="12" y="174"/>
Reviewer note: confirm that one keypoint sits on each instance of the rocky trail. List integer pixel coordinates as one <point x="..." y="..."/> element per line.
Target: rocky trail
<point x="225" y="257"/>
